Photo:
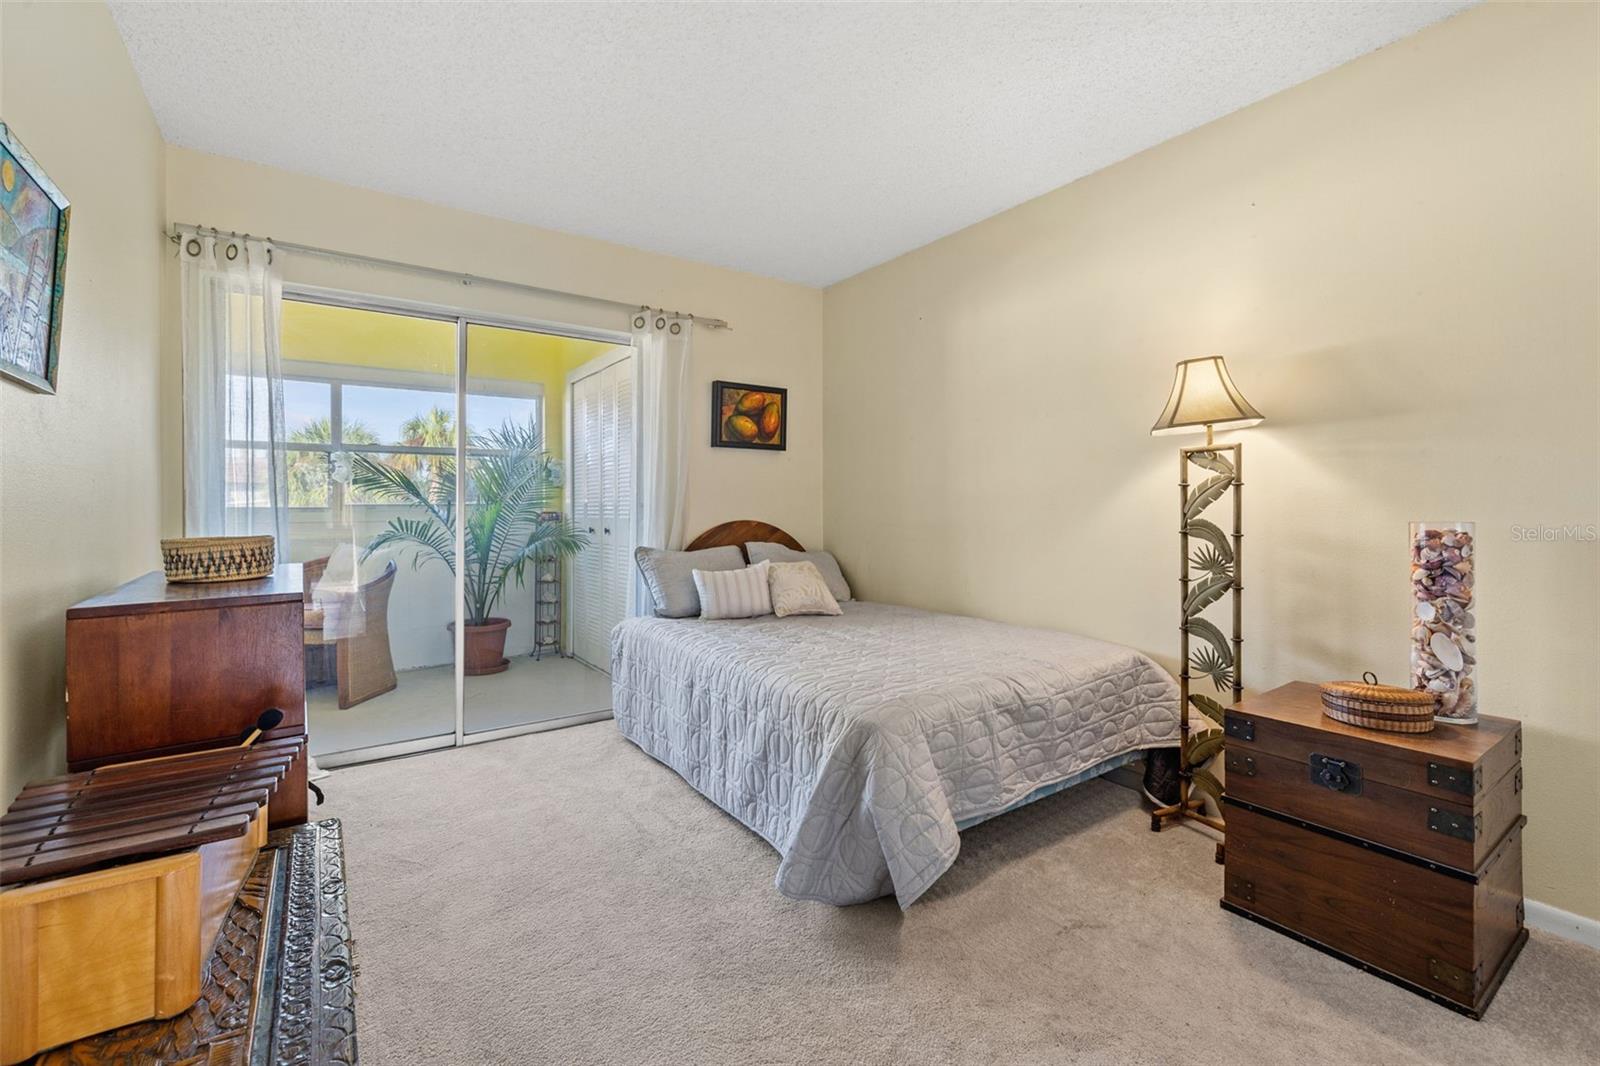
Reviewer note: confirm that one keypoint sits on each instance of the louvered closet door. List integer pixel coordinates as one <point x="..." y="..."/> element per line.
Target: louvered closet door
<point x="618" y="392"/>
<point x="602" y="462"/>
<point x="586" y="494"/>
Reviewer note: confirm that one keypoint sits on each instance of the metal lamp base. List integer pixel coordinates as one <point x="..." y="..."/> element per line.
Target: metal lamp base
<point x="1220" y="562"/>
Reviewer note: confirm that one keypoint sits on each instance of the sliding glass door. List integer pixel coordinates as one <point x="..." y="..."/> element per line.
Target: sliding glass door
<point x="405" y="649"/>
<point x="369" y="404"/>
<point x="524" y="549"/>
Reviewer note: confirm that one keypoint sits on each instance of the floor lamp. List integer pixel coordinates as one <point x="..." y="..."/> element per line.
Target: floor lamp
<point x="1204" y="397"/>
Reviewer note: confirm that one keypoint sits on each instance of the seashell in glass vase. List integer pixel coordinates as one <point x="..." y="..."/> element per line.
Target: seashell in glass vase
<point x="1444" y="647"/>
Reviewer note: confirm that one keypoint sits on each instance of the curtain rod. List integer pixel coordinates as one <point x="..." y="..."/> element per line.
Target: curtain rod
<point x="465" y="279"/>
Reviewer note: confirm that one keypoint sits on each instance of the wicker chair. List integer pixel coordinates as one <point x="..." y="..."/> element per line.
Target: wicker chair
<point x="363" y="666"/>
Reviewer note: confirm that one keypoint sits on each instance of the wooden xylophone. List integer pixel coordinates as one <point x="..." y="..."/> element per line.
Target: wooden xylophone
<point x="114" y="883"/>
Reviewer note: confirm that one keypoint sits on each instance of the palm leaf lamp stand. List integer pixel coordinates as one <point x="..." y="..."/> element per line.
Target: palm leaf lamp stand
<point x="1210" y="562"/>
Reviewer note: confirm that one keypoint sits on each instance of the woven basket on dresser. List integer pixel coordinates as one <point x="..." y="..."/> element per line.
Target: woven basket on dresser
<point x="217" y="558"/>
<point x="1385" y="707"/>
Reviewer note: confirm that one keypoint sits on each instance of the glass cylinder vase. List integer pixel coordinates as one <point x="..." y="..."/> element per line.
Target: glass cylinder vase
<point x="1444" y="649"/>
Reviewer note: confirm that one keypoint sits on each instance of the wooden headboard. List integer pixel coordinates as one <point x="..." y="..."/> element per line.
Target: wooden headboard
<point x="737" y="533"/>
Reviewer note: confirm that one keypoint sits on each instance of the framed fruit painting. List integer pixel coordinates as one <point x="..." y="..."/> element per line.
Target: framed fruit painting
<point x="749" y="416"/>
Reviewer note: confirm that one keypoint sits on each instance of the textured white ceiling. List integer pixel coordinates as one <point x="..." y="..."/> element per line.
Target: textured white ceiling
<point x="801" y="141"/>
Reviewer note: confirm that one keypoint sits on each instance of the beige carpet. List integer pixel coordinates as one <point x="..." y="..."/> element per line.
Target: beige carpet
<point x="561" y="898"/>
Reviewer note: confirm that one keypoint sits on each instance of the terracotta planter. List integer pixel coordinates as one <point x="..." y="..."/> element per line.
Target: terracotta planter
<point x="486" y="647"/>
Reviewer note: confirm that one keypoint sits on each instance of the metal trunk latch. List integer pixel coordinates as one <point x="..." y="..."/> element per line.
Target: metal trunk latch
<point x="1337" y="775"/>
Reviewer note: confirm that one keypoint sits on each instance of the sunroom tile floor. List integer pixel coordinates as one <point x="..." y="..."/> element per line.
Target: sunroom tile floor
<point x="423" y="704"/>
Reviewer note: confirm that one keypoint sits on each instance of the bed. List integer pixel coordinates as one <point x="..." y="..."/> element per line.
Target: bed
<point x="859" y="746"/>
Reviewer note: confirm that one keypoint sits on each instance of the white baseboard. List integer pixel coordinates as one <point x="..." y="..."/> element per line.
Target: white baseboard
<point x="1565" y="924"/>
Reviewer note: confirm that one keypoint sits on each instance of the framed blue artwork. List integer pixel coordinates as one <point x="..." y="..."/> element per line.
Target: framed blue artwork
<point x="33" y="267"/>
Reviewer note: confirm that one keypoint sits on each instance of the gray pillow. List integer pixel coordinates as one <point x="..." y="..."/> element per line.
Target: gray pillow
<point x="670" y="576"/>
<point x="824" y="561"/>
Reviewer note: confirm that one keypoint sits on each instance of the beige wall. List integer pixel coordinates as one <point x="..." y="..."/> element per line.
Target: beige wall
<point x="776" y="339"/>
<point x="1398" y="260"/>
<point x="78" y="470"/>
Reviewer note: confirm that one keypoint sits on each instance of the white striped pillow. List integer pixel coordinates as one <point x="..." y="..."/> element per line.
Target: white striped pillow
<point x="734" y="593"/>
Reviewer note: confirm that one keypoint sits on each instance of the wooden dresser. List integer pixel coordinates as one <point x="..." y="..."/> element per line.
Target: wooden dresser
<point x="156" y="668"/>
<point x="1398" y="853"/>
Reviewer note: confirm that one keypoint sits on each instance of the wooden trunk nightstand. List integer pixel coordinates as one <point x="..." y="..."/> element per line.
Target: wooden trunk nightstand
<point x="1399" y="853"/>
<point x="155" y="669"/>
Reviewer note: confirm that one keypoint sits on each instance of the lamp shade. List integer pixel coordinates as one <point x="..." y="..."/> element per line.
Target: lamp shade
<point x="1204" y="395"/>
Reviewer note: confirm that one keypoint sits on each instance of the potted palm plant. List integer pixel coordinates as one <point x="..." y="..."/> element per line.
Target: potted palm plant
<point x="512" y="520"/>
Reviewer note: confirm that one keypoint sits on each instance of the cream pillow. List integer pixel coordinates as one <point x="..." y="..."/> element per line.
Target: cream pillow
<point x="734" y="593"/>
<point x="799" y="588"/>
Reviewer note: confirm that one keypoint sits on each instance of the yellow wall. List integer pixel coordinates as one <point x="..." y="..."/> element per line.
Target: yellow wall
<point x="80" y="471"/>
<point x="318" y="333"/>
<point x="777" y="337"/>
<point x="315" y="333"/>
<point x="495" y="353"/>
<point x="1399" y="261"/>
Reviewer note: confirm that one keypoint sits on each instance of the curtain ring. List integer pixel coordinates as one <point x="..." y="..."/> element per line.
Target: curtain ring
<point x="661" y="322"/>
<point x="677" y="328"/>
<point x="192" y="246"/>
<point x="639" y="322"/>
<point x="232" y="253"/>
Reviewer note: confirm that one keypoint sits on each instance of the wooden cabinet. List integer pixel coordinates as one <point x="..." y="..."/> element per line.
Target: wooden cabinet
<point x="1400" y="853"/>
<point x="156" y="668"/>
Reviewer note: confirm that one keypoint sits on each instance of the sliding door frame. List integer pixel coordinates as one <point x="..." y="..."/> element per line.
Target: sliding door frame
<point x="321" y="294"/>
<point x="463" y="318"/>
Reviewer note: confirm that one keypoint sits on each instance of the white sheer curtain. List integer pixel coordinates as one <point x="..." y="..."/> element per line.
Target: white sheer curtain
<point x="233" y="438"/>
<point x="661" y="344"/>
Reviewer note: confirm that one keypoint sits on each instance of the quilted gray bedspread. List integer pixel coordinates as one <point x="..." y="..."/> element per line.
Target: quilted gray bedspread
<point x="854" y="744"/>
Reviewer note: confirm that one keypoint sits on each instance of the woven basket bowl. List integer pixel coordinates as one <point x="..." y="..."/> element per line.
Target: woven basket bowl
<point x="217" y="558"/>
<point x="1385" y="707"/>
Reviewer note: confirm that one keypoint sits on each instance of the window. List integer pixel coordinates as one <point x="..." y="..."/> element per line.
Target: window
<point x="412" y="427"/>
<point x="380" y="383"/>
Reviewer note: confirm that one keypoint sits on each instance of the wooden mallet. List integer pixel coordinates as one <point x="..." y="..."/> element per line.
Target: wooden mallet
<point x="270" y="718"/>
